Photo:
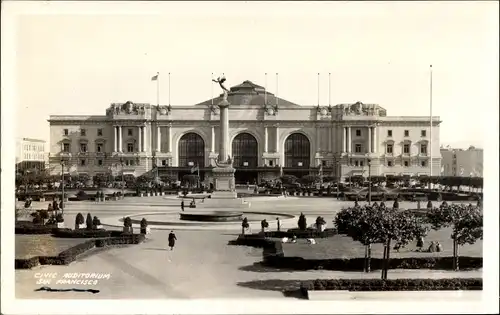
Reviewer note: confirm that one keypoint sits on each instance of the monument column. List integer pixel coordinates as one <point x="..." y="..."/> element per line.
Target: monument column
<point x="224" y="132"/>
<point x="330" y="130"/>
<point x="212" y="140"/>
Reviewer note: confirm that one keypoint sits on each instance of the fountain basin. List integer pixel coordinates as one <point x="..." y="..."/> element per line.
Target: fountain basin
<point x="211" y="216"/>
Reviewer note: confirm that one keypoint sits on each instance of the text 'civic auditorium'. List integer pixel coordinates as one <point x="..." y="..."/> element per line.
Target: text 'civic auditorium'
<point x="268" y="136"/>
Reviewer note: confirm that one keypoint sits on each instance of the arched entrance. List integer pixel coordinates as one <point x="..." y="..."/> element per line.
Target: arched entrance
<point x="245" y="158"/>
<point x="297" y="154"/>
<point x="191" y="153"/>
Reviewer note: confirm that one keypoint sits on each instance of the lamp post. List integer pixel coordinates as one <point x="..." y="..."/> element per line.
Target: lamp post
<point x="369" y="182"/>
<point x="64" y="158"/>
<point x="121" y="165"/>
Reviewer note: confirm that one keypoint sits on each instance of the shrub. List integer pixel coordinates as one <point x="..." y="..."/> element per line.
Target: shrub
<point x="396" y="204"/>
<point x="27" y="228"/>
<point x="397" y="284"/>
<point x="95" y="222"/>
<point x="89" y="221"/>
<point x="59" y="218"/>
<point x="127" y="222"/>
<point x="429" y="204"/>
<point x="37" y="219"/>
<point x="302" y="222"/>
<point x="264" y="224"/>
<point x="44" y="214"/>
<point x="320" y="221"/>
<point x="144" y="223"/>
<point x="245" y="224"/>
<point x="79" y="219"/>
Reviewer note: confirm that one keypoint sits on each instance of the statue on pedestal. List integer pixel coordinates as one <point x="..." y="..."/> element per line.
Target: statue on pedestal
<point x="221" y="81"/>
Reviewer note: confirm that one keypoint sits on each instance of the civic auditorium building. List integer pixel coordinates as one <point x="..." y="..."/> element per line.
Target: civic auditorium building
<point x="268" y="136"/>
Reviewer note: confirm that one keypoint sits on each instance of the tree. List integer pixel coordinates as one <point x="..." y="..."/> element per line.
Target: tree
<point x="308" y="180"/>
<point x="466" y="223"/>
<point x="370" y="225"/>
<point x="191" y="180"/>
<point x="288" y="179"/>
<point x="89" y="221"/>
<point x="302" y="222"/>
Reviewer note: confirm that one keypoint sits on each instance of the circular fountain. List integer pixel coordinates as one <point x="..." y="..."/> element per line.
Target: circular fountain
<point x="211" y="216"/>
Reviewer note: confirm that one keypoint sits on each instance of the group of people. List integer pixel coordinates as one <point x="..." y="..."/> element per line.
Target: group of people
<point x="434" y="247"/>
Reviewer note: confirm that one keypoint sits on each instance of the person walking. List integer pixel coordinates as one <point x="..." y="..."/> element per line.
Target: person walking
<point x="182" y="205"/>
<point x="171" y="240"/>
<point x="278" y="223"/>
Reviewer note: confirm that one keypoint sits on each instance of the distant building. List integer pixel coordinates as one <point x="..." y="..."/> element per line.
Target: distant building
<point x="30" y="154"/>
<point x="459" y="162"/>
<point x="268" y="136"/>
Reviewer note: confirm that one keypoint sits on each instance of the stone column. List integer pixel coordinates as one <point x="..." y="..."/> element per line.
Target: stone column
<point x="266" y="143"/>
<point x="120" y="137"/>
<point x="139" y="129"/>
<point x="349" y="140"/>
<point x="375" y="144"/>
<point x="116" y="138"/>
<point x="330" y="130"/>
<point x="344" y="139"/>
<point x="169" y="128"/>
<point x="224" y="132"/>
<point x="158" y="139"/>
<point x="370" y="147"/>
<point x="212" y="140"/>
<point x="145" y="135"/>
<point x="277" y="138"/>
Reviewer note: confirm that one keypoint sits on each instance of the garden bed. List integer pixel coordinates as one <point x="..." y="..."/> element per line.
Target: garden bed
<point x="71" y="254"/>
<point x="28" y="227"/>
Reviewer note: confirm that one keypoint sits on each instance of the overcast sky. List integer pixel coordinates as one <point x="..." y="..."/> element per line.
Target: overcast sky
<point x="376" y="53"/>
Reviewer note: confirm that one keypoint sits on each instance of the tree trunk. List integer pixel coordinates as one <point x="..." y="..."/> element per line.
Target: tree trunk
<point x="365" y="268"/>
<point x="387" y="258"/>
<point x="369" y="261"/>
<point x="383" y="261"/>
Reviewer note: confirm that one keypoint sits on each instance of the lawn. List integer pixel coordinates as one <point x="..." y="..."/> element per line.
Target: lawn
<point x="341" y="246"/>
<point x="43" y="245"/>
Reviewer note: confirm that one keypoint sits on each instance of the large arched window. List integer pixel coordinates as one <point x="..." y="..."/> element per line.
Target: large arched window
<point x="297" y="151"/>
<point x="245" y="151"/>
<point x="191" y="150"/>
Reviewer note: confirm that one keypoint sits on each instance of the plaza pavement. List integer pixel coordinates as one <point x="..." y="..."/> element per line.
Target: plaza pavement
<point x="202" y="265"/>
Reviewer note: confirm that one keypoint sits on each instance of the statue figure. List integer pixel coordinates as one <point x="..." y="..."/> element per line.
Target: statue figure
<point x="221" y="81"/>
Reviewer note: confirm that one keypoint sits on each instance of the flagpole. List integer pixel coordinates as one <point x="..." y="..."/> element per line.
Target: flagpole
<point x="265" y="90"/>
<point x="158" y="89"/>
<point x="277" y="101"/>
<point x="318" y="88"/>
<point x="329" y="89"/>
<point x="430" y="127"/>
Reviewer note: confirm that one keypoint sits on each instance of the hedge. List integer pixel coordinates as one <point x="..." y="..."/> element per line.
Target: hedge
<point x="28" y="227"/>
<point x="71" y="254"/>
<point x="357" y="264"/>
<point x="81" y="233"/>
<point x="396" y="284"/>
<point x="309" y="233"/>
<point x="275" y="257"/>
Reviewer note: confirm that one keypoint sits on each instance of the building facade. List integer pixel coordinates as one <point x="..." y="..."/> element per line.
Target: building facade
<point x="30" y="154"/>
<point x="459" y="162"/>
<point x="268" y="136"/>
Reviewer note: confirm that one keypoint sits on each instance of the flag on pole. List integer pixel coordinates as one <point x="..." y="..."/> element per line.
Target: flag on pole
<point x="154" y="78"/>
<point x="195" y="168"/>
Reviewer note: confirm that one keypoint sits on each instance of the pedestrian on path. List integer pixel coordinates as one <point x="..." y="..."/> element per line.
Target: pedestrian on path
<point x="171" y="240"/>
<point x="182" y="205"/>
